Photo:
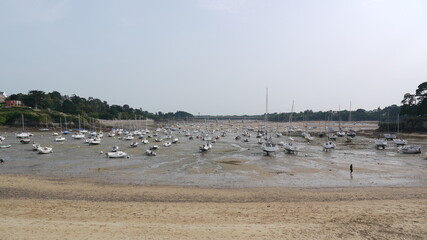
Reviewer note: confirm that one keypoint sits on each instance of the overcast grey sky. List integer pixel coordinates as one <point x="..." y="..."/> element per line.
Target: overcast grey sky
<point x="217" y="56"/>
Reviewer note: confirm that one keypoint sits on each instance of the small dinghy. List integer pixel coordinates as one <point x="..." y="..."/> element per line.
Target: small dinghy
<point x="25" y="141"/>
<point x="45" y="150"/>
<point x="153" y="147"/>
<point x="150" y="153"/>
<point x="328" y="146"/>
<point x="117" y="154"/>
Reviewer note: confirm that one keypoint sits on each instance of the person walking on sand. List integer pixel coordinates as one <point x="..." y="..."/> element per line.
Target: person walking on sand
<point x="351" y="169"/>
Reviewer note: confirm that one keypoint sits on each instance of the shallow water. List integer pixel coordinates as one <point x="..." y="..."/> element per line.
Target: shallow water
<point x="229" y="164"/>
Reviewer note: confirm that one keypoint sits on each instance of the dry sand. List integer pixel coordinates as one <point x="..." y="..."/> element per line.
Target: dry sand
<point x="41" y="208"/>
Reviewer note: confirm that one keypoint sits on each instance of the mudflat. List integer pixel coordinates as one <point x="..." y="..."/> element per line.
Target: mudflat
<point x="51" y="208"/>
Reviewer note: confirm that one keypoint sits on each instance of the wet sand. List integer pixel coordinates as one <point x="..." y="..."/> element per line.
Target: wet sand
<point x="44" y="208"/>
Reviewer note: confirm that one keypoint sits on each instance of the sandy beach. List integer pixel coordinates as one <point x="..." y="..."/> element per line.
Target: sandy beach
<point x="46" y="208"/>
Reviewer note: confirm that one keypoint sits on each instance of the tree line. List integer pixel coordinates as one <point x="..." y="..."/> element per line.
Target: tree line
<point x="89" y="108"/>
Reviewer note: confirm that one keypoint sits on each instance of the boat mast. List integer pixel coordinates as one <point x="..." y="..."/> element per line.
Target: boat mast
<point x="290" y="118"/>
<point x="266" y="111"/>
<point x="23" y="128"/>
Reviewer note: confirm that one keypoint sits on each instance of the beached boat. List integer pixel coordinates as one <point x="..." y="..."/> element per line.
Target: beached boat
<point x="390" y="136"/>
<point x="117" y="154"/>
<point x="59" y="139"/>
<point x="134" y="144"/>
<point x="25" y="140"/>
<point x="205" y="147"/>
<point x="128" y="137"/>
<point x="45" y="150"/>
<point x="5" y="146"/>
<point x="145" y="141"/>
<point x="150" y="152"/>
<point x="175" y="140"/>
<point x="78" y="135"/>
<point x="290" y="148"/>
<point x="167" y="144"/>
<point x="268" y="146"/>
<point x="410" y="149"/>
<point x="400" y="142"/>
<point x="328" y="146"/>
<point x="154" y="147"/>
<point x="380" y="143"/>
<point x="94" y="141"/>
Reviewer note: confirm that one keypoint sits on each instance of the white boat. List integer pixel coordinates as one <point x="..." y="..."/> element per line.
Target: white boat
<point x="153" y="147"/>
<point x="290" y="148"/>
<point x="158" y="139"/>
<point x="94" y="141"/>
<point x="117" y="154"/>
<point x="5" y="146"/>
<point x="269" y="147"/>
<point x="205" y="147"/>
<point x="2" y="138"/>
<point x="60" y="139"/>
<point x="25" y="140"/>
<point x="341" y="133"/>
<point x="128" y="138"/>
<point x="328" y="146"/>
<point x="410" y="149"/>
<point x="45" y="150"/>
<point x="145" y="141"/>
<point x="380" y="143"/>
<point x="23" y="133"/>
<point x="167" y="144"/>
<point x="176" y="140"/>
<point x="78" y="135"/>
<point x="134" y="144"/>
<point x="150" y="153"/>
<point x="400" y="142"/>
<point x="115" y="149"/>
<point x="389" y="136"/>
<point x="111" y="134"/>
<point x="55" y="134"/>
<point x="332" y="137"/>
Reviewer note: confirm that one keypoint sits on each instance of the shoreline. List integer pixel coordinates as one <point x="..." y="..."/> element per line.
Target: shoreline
<point x="76" y="209"/>
<point x="35" y="187"/>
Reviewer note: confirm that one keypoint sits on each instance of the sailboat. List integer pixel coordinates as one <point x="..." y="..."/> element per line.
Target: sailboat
<point x="399" y="141"/>
<point x="23" y="133"/>
<point x="290" y="147"/>
<point x="79" y="134"/>
<point x="379" y="142"/>
<point x="268" y="146"/>
<point x="60" y="138"/>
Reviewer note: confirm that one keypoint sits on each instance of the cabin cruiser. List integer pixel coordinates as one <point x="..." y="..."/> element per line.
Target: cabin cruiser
<point x="410" y="149"/>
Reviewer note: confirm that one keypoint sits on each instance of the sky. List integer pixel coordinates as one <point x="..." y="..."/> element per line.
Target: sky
<point x="217" y="57"/>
